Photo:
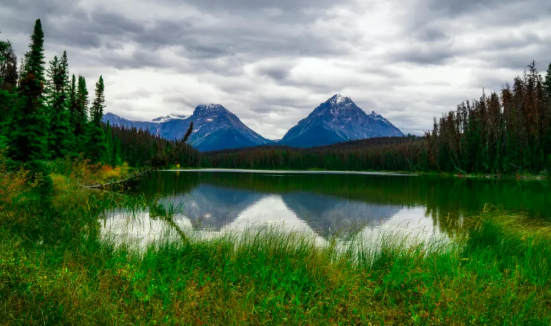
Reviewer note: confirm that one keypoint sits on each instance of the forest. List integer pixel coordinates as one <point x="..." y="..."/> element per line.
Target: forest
<point x="383" y="154"/>
<point x="46" y="114"/>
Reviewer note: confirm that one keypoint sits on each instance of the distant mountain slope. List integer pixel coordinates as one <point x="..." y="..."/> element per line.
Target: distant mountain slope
<point x="214" y="128"/>
<point x="339" y="119"/>
<point x="115" y="120"/>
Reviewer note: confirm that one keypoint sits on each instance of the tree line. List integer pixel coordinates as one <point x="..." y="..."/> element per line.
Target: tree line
<point x="45" y="114"/>
<point x="509" y="132"/>
<point x="503" y="133"/>
<point x="406" y="153"/>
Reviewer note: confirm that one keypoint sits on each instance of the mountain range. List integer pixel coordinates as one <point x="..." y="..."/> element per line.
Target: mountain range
<point x="214" y="128"/>
<point x="338" y="119"/>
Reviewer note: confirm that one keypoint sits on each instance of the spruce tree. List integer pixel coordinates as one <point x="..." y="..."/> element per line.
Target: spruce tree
<point x="8" y="66"/>
<point x="34" y="59"/>
<point x="4" y="95"/>
<point x="546" y="121"/>
<point x="547" y="82"/>
<point x="61" y="140"/>
<point x="3" y="48"/>
<point x="27" y="130"/>
<point x="97" y="147"/>
<point x="73" y="105"/>
<point x="80" y="115"/>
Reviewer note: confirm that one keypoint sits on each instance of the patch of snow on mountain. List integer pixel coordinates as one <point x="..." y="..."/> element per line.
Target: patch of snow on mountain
<point x="169" y="117"/>
<point x="340" y="99"/>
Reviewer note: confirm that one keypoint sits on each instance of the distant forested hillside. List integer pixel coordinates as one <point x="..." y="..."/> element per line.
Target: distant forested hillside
<point x="406" y="153"/>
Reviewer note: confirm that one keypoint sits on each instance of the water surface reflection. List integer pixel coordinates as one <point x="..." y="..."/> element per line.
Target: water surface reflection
<point x="209" y="204"/>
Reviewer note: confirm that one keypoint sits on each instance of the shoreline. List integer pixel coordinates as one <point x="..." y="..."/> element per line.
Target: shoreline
<point x="291" y="172"/>
<point x="382" y="173"/>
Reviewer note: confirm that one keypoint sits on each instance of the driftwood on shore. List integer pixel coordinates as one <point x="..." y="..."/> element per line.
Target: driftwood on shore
<point x="123" y="182"/>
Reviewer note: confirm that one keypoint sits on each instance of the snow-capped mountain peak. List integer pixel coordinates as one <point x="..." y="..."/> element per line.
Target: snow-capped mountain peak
<point x="210" y="107"/>
<point x="339" y="101"/>
<point x="172" y="116"/>
<point x="215" y="128"/>
<point x="336" y="120"/>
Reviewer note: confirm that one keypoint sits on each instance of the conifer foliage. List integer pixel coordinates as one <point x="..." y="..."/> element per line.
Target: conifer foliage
<point x="97" y="147"/>
<point x="8" y="78"/>
<point x="506" y="133"/>
<point x="28" y="121"/>
<point x="46" y="115"/>
<point x="61" y="138"/>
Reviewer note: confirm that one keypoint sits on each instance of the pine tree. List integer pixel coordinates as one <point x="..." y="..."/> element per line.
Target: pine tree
<point x="5" y="99"/>
<point x="546" y="121"/>
<point x="61" y="140"/>
<point x="97" y="147"/>
<point x="35" y="57"/>
<point x="80" y="115"/>
<point x="547" y="82"/>
<point x="8" y="66"/>
<point x="22" y="71"/>
<point x="27" y="131"/>
<point x="73" y="105"/>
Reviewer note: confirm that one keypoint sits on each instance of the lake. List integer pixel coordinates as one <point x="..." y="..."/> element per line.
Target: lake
<point x="212" y="203"/>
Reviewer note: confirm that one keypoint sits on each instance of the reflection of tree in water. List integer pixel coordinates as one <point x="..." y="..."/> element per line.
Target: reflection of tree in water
<point x="445" y="199"/>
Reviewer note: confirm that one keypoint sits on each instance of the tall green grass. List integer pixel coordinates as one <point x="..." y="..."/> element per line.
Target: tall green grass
<point x="55" y="268"/>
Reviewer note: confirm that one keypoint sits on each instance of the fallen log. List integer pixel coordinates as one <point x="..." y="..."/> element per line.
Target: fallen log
<point x="123" y="182"/>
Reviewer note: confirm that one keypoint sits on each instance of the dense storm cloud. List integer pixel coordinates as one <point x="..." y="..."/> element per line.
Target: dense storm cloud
<point x="272" y="62"/>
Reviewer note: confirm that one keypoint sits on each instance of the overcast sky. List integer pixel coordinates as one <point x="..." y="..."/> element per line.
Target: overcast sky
<point x="273" y="62"/>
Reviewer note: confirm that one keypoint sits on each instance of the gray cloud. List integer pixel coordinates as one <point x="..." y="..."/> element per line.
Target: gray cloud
<point x="455" y="8"/>
<point x="275" y="70"/>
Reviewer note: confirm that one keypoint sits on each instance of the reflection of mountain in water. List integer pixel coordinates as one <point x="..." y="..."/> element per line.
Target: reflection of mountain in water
<point x="141" y="229"/>
<point x="210" y="207"/>
<point x="326" y="214"/>
<point x="332" y="202"/>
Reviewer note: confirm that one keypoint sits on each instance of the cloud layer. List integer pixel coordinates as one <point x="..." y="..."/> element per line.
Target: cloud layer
<point x="272" y="62"/>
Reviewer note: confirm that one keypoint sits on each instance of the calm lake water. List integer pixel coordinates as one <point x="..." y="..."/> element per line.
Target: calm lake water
<point x="209" y="204"/>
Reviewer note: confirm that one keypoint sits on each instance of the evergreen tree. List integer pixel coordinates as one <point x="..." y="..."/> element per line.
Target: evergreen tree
<point x="8" y="66"/>
<point x="22" y="71"/>
<point x="34" y="63"/>
<point x="3" y="47"/>
<point x="73" y="105"/>
<point x="27" y="130"/>
<point x="546" y="121"/>
<point x="547" y="82"/>
<point x="80" y="114"/>
<point x="97" y="147"/>
<point x="61" y="140"/>
<point x="5" y="98"/>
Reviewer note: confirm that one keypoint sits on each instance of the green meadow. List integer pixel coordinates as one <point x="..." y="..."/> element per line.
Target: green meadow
<point x="55" y="268"/>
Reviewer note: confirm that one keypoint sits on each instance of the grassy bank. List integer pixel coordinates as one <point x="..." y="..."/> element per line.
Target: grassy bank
<point x="54" y="269"/>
